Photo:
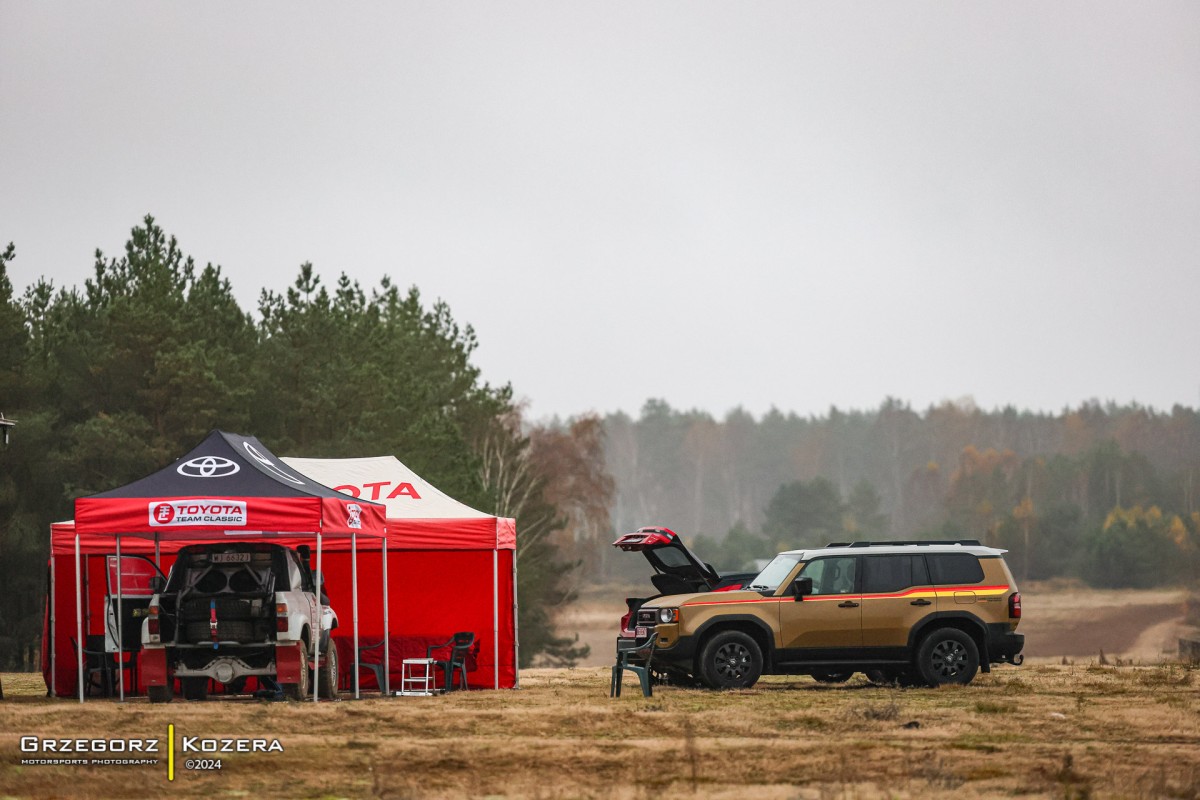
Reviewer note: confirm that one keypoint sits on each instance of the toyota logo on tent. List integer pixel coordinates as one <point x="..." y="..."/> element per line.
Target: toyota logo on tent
<point x="208" y="467"/>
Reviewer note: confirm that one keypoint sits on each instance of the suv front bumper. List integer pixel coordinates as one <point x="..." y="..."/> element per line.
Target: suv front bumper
<point x="677" y="653"/>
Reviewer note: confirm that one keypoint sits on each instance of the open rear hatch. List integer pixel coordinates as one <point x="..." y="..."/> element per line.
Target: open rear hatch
<point x="676" y="569"/>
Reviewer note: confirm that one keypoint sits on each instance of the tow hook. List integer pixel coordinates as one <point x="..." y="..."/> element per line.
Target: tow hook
<point x="212" y="621"/>
<point x="1018" y="659"/>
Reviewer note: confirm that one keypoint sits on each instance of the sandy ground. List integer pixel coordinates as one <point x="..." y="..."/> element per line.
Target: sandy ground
<point x="1060" y="620"/>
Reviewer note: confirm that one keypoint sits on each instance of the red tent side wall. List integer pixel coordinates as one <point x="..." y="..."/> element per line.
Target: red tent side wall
<point x="431" y="596"/>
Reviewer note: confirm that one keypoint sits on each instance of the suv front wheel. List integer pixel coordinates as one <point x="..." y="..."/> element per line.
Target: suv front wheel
<point x="731" y="660"/>
<point x="947" y="656"/>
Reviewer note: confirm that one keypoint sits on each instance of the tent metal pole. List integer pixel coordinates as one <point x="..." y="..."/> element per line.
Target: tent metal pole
<point x="79" y="643"/>
<point x="53" y="649"/>
<point x="316" y="645"/>
<point x="120" y="632"/>
<point x="354" y="592"/>
<point x="496" y="617"/>
<point x="387" y="631"/>
<point x="157" y="554"/>
<point x="516" y="626"/>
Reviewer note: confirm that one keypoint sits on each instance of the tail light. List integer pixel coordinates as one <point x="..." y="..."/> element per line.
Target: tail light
<point x="281" y="617"/>
<point x="1014" y="605"/>
<point x="152" y="624"/>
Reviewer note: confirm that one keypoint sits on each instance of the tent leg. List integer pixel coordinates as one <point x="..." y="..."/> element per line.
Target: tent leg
<point x="120" y="632"/>
<point x="354" y="605"/>
<point x="79" y="644"/>
<point x="387" y="631"/>
<point x="53" y="649"/>
<point x="157" y="554"/>
<point x="316" y="643"/>
<point x="496" y="617"/>
<point x="516" y="627"/>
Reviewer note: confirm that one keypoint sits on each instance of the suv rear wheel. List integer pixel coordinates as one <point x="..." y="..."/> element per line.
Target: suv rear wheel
<point x="731" y="660"/>
<point x="329" y="672"/>
<point x="947" y="656"/>
<point x="299" y="690"/>
<point x="160" y="694"/>
<point x="195" y="688"/>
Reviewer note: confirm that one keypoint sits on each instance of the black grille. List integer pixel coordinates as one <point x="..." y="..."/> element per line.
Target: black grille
<point x="647" y="616"/>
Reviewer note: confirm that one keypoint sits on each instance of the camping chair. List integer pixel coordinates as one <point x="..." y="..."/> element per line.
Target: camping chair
<point x="460" y="645"/>
<point x="375" y="667"/>
<point x="99" y="666"/>
<point x="627" y="651"/>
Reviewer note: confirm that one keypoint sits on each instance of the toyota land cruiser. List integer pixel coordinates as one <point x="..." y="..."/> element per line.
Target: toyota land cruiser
<point x="910" y="612"/>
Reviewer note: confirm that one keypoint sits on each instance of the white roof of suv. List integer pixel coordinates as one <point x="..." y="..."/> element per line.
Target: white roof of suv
<point x="883" y="548"/>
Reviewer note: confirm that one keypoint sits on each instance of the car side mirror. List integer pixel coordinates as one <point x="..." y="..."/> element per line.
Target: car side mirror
<point x="803" y="587"/>
<point x="157" y="584"/>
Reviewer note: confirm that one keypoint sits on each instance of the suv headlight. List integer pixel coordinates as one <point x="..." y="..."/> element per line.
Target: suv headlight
<point x="668" y="615"/>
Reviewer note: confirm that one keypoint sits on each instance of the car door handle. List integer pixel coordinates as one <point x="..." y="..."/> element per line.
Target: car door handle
<point x="848" y="604"/>
<point x="921" y="603"/>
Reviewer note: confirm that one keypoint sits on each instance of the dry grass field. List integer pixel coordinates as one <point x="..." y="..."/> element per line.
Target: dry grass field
<point x="1043" y="731"/>
<point x="1048" y="729"/>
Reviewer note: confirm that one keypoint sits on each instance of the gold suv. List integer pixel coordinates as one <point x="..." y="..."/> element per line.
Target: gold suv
<point x="923" y="613"/>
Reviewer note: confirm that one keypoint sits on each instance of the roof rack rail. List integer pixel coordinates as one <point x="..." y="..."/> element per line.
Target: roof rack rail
<point x="894" y="542"/>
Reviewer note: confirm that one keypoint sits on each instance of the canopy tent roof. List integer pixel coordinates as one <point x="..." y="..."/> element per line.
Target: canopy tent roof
<point x="231" y="485"/>
<point x="420" y="516"/>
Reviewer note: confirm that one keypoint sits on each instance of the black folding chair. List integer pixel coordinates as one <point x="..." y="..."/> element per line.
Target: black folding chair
<point x="375" y="667"/>
<point x="460" y="645"/>
<point x="636" y="658"/>
<point x="99" y="666"/>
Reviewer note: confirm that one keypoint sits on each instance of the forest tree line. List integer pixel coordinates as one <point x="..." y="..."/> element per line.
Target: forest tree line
<point x="115" y="380"/>
<point x="1106" y="493"/>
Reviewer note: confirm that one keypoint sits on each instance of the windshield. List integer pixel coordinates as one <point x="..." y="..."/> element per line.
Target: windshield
<point x="774" y="573"/>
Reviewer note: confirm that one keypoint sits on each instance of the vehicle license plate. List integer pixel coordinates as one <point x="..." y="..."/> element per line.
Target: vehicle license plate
<point x="230" y="558"/>
<point x="640" y="632"/>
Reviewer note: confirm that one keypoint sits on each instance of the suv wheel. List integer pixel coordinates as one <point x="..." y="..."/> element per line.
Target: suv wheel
<point x="299" y="691"/>
<point x="160" y="694"/>
<point x="195" y="688"/>
<point x="947" y="656"/>
<point x="329" y="673"/>
<point x="731" y="660"/>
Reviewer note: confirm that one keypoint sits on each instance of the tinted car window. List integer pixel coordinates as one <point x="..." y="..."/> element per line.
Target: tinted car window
<point x="952" y="568"/>
<point x="887" y="573"/>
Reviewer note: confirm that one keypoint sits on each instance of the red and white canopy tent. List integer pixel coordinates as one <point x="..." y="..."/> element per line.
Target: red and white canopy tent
<point x="227" y="486"/>
<point x="459" y="564"/>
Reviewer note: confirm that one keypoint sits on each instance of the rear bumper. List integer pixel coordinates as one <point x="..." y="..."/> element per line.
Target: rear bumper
<point x="1004" y="645"/>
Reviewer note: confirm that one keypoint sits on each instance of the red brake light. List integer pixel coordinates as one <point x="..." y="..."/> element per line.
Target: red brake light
<point x="1014" y="605"/>
<point x="152" y="626"/>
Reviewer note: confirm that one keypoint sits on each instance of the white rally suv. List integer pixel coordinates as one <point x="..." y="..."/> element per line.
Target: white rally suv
<point x="228" y="612"/>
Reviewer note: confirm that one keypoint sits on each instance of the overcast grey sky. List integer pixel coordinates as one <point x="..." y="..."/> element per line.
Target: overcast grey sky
<point x="721" y="204"/>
